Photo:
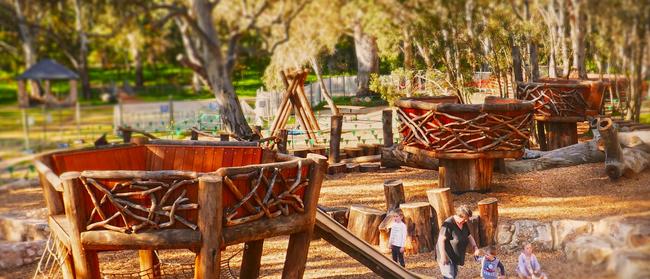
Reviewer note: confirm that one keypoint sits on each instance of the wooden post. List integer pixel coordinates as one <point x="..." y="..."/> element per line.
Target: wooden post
<point x="417" y="216"/>
<point x="224" y="137"/>
<point x="298" y="248"/>
<point x="208" y="260"/>
<point x="23" y="111"/>
<point x="394" y="193"/>
<point x="335" y="138"/>
<point x="541" y="136"/>
<point x="474" y="227"/>
<point x="464" y="175"/>
<point x="561" y="134"/>
<point x="282" y="145"/>
<point x="86" y="264"/>
<point x="489" y="213"/>
<point x="442" y="203"/>
<point x="194" y="135"/>
<point x="149" y="264"/>
<point x="126" y="135"/>
<point x="364" y="223"/>
<point x="251" y="260"/>
<point x="387" y="126"/>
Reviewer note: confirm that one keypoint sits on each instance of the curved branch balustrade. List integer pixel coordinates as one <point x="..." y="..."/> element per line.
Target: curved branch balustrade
<point x="559" y="105"/>
<point x="466" y="138"/>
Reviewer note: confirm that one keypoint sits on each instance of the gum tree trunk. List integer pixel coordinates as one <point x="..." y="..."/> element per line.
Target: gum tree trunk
<point x="82" y="60"/>
<point x="365" y="47"/>
<point x="218" y="75"/>
<point x="578" y="25"/>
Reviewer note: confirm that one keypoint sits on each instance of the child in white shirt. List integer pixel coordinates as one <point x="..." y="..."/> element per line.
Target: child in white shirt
<point x="397" y="238"/>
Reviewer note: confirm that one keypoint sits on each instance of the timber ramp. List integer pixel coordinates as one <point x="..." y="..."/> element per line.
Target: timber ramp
<point x="337" y="235"/>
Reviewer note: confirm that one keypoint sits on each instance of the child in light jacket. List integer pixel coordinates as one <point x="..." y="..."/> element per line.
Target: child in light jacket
<point x="397" y="238"/>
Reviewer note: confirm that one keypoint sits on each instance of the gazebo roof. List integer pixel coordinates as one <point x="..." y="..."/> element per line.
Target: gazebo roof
<point x="48" y="69"/>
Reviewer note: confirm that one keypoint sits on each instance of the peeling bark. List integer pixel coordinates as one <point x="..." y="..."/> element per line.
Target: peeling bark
<point x="365" y="47"/>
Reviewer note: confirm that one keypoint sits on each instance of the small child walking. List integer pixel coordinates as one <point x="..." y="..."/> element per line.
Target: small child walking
<point x="490" y="263"/>
<point x="397" y="238"/>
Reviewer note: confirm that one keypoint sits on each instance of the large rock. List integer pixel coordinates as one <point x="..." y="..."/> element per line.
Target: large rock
<point x="504" y="233"/>
<point x="565" y="230"/>
<point x="631" y="263"/>
<point x="528" y="231"/>
<point x="21" y="227"/>
<point x="620" y="228"/>
<point x="15" y="254"/>
<point x="589" y="249"/>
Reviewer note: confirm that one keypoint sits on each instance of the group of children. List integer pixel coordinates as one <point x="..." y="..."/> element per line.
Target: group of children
<point x="491" y="268"/>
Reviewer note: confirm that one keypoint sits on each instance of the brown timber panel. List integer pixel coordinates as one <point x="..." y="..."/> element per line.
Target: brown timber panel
<point x="200" y="158"/>
<point x="123" y="158"/>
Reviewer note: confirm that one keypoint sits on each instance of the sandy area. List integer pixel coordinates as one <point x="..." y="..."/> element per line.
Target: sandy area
<point x="580" y="192"/>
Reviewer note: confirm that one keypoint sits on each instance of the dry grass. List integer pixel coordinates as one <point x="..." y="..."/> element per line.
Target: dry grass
<point x="580" y="192"/>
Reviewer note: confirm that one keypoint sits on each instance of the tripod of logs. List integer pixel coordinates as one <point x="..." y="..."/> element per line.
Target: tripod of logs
<point x="295" y="98"/>
<point x="423" y="219"/>
<point x="559" y="105"/>
<point x="465" y="138"/>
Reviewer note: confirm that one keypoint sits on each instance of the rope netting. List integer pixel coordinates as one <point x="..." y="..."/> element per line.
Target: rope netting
<point x="49" y="266"/>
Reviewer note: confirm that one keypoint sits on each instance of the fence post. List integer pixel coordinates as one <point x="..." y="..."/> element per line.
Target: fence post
<point x="23" y="111"/>
<point x="387" y="125"/>
<point x="335" y="138"/>
<point x="171" y="111"/>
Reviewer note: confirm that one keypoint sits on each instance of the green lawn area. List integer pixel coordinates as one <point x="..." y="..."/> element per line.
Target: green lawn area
<point x="645" y="118"/>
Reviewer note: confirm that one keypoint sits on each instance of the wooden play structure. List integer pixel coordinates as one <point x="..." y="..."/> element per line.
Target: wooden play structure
<point x="44" y="72"/>
<point x="559" y="105"/>
<point x="295" y="98"/>
<point x="465" y="138"/>
<point x="201" y="196"/>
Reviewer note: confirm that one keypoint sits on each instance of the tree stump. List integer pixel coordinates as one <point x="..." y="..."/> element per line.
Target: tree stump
<point x="394" y="193"/>
<point x="352" y="152"/>
<point x="335" y="168"/>
<point x="369" y="167"/>
<point x="387" y="126"/>
<point x="352" y="167"/>
<point x="442" y="203"/>
<point x="339" y="214"/>
<point x="335" y="138"/>
<point x="417" y="216"/>
<point x="489" y="212"/>
<point x="560" y="134"/>
<point x="474" y="228"/>
<point x="384" y="233"/>
<point x="364" y="223"/>
<point x="464" y="175"/>
<point x="366" y="149"/>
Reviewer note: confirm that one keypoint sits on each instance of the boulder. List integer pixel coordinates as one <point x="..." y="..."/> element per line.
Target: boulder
<point x="619" y="228"/>
<point x="630" y="263"/>
<point x="21" y="227"/>
<point x="564" y="230"/>
<point x="504" y="233"/>
<point x="589" y="249"/>
<point x="537" y="233"/>
<point x="15" y="254"/>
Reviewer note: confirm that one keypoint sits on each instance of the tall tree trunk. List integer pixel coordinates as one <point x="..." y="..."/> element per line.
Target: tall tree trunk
<point x="552" y="25"/>
<point x="82" y="60"/>
<point x="636" y="70"/>
<point x="516" y="61"/>
<point x="578" y="22"/>
<point x="407" y="49"/>
<point x="534" y="63"/>
<point x="365" y="47"/>
<point x="562" y="34"/>
<point x="425" y="53"/>
<point x="136" y="55"/>
<point x="191" y="53"/>
<point x="219" y="78"/>
<point x="27" y="42"/>
<point x="326" y="94"/>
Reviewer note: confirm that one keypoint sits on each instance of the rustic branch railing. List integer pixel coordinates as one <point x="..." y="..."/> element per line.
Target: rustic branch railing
<point x="554" y="101"/>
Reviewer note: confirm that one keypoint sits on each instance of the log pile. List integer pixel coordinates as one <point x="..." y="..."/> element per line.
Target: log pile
<point x="295" y="98"/>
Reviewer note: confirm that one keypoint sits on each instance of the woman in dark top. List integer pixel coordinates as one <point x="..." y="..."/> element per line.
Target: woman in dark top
<point x="452" y="242"/>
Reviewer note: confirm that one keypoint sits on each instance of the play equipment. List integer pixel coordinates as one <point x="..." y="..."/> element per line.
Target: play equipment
<point x="201" y="196"/>
<point x="41" y="74"/>
<point x="465" y="138"/>
<point x="559" y="105"/>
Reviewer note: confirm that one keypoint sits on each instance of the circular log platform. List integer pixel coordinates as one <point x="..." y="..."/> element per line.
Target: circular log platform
<point x="364" y="222"/>
<point x="417" y="216"/>
<point x="394" y="193"/>
<point x="466" y="138"/>
<point x="335" y="168"/>
<point x="559" y="105"/>
<point x="369" y="167"/>
<point x="352" y="167"/>
<point x="466" y="175"/>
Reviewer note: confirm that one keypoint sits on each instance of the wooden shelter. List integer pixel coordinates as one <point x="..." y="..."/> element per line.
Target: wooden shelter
<point x="559" y="105"/>
<point x="466" y="138"/>
<point x="42" y="74"/>
<point x="201" y="196"/>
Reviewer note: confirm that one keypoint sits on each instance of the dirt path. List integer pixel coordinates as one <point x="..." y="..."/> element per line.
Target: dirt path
<point x="580" y="192"/>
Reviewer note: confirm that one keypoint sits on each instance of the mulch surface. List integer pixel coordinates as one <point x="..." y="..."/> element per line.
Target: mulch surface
<point x="580" y="192"/>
